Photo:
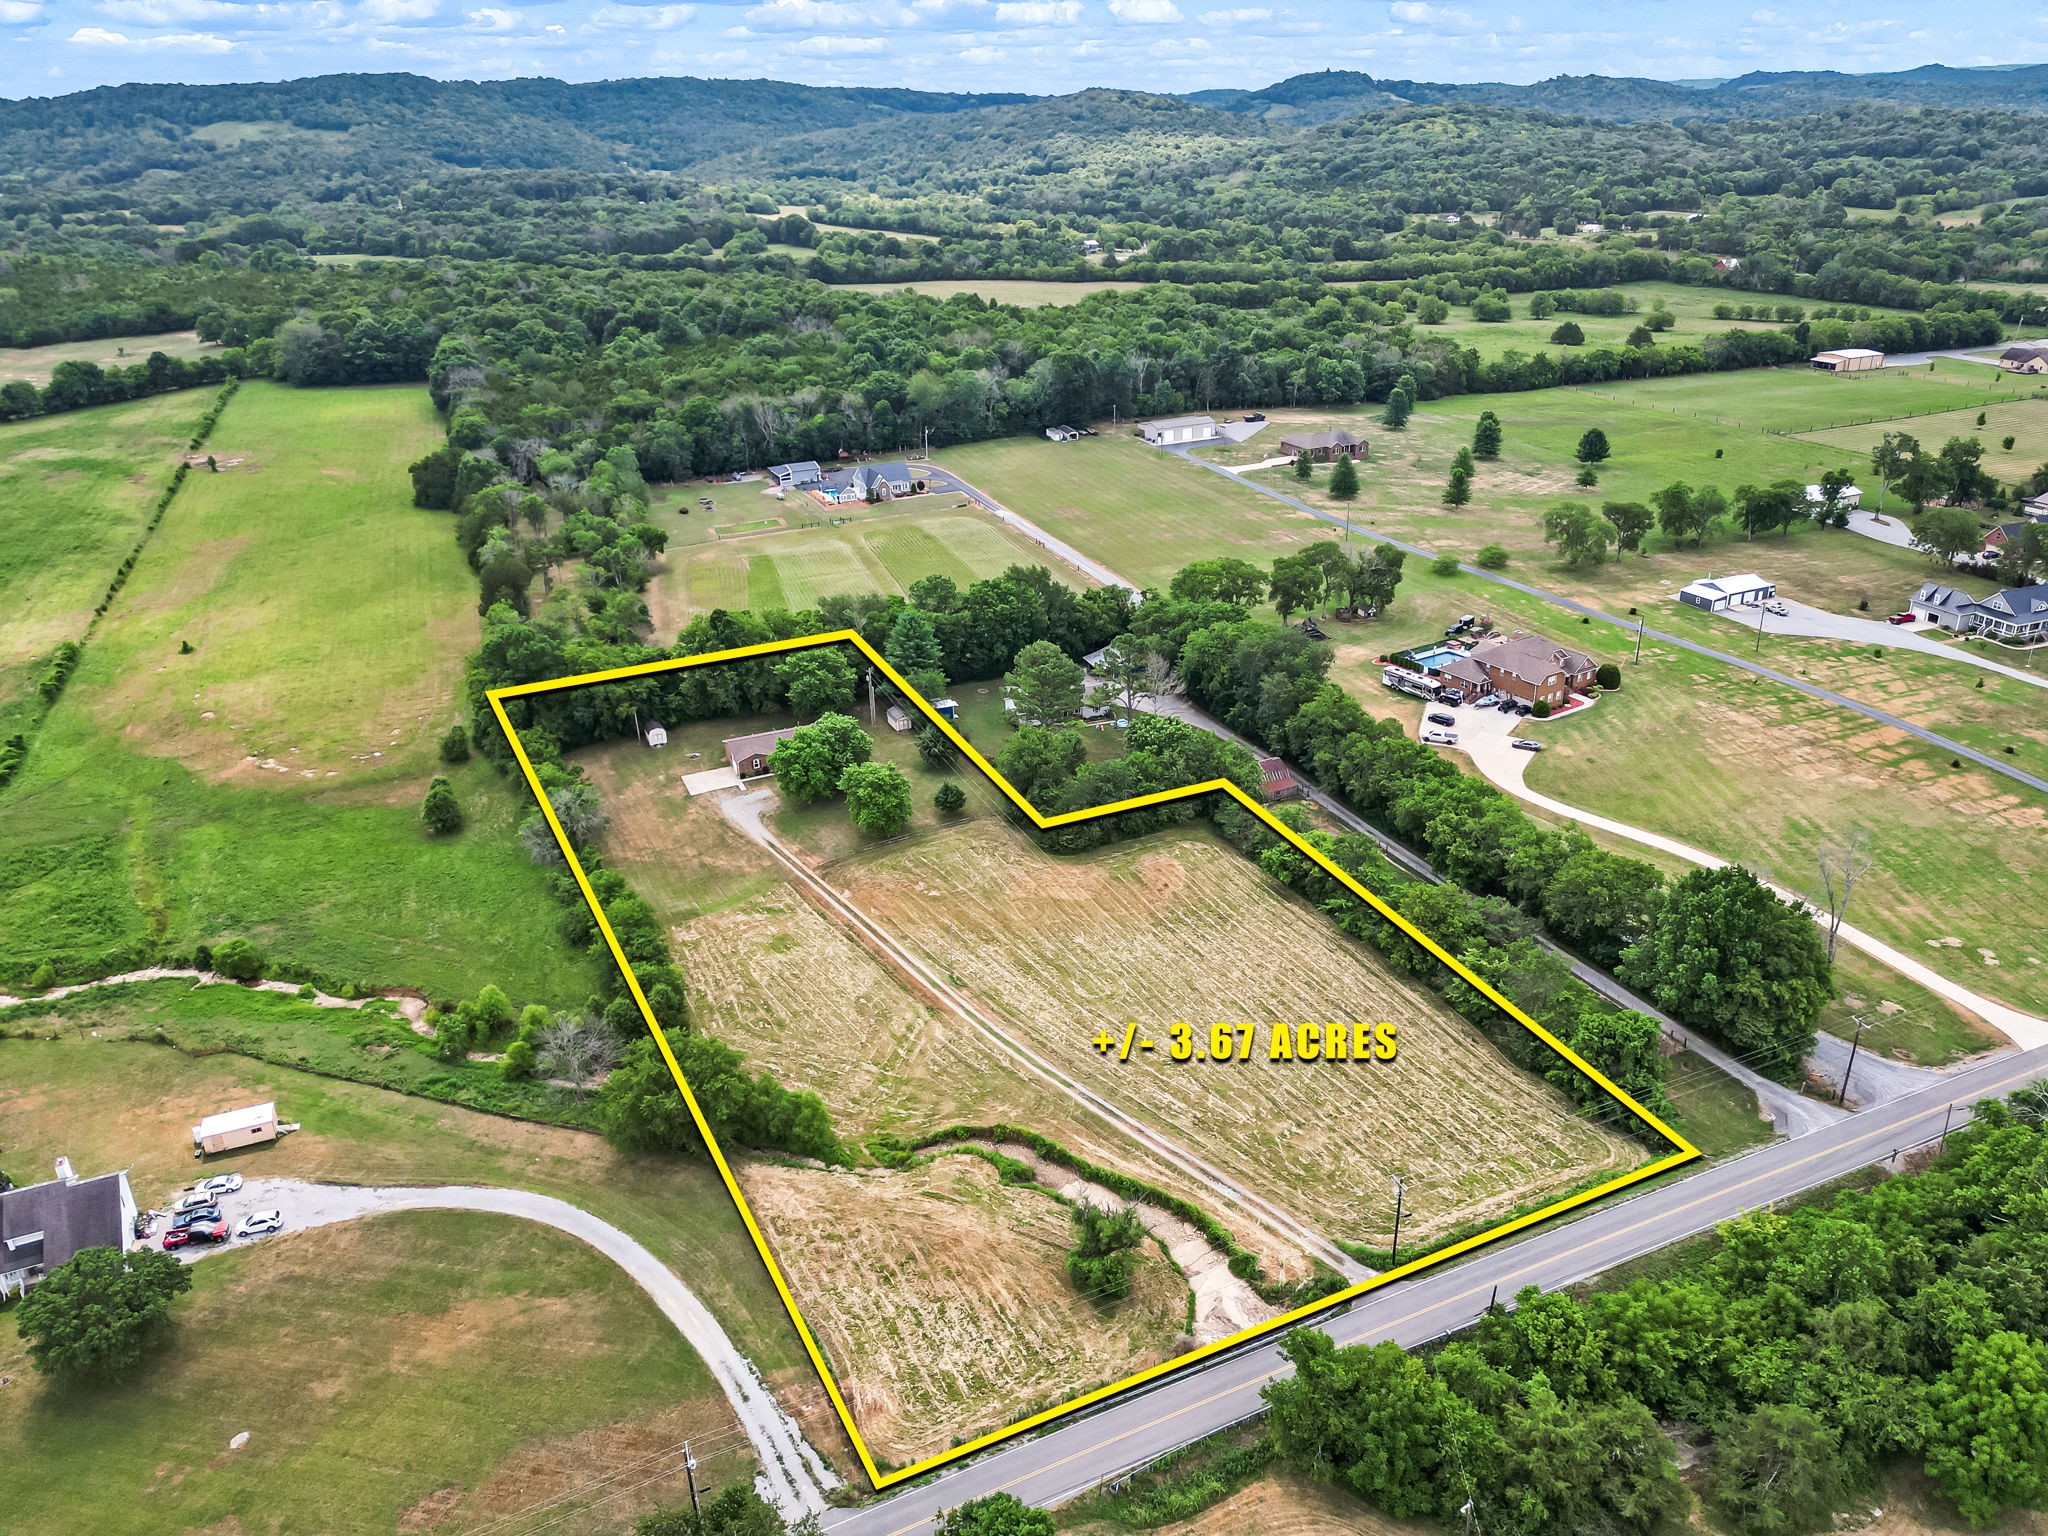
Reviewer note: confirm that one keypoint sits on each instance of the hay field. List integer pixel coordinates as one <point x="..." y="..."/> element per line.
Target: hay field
<point x="36" y="364"/>
<point x="1177" y="927"/>
<point x="940" y="1297"/>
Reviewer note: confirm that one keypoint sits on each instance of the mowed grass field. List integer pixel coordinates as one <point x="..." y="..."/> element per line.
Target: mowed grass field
<point x="410" y="1371"/>
<point x="267" y="783"/>
<point x="35" y="364"/>
<point x="808" y="559"/>
<point x="2024" y="421"/>
<point x="76" y="491"/>
<point x="1179" y="927"/>
<point x="940" y="1297"/>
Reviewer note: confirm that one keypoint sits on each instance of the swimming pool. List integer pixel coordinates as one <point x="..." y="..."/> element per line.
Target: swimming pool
<point x="1434" y="656"/>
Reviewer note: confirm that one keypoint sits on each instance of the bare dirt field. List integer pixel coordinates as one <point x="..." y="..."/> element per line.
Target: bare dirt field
<point x="1178" y="927"/>
<point x="940" y="1297"/>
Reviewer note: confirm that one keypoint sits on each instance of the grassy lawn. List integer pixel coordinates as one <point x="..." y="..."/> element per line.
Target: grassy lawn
<point x="75" y="493"/>
<point x="114" y="1102"/>
<point x="1139" y="511"/>
<point x="1753" y="772"/>
<point x="396" y="1372"/>
<point x="1803" y="400"/>
<point x="1693" y="307"/>
<point x="1712" y="1110"/>
<point x="35" y="364"/>
<point x="2024" y="421"/>
<point x="267" y="783"/>
<point x="792" y="553"/>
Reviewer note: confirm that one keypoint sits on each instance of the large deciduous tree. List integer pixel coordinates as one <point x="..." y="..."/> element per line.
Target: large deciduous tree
<point x="96" y="1316"/>
<point x="1726" y="955"/>
<point x="817" y="682"/>
<point x="877" y="798"/>
<point x="808" y="766"/>
<point x="1581" y="535"/>
<point x="1046" y="684"/>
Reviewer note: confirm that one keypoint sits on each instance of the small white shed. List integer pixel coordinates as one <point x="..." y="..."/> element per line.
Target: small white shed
<point x="248" y="1127"/>
<point x="655" y="732"/>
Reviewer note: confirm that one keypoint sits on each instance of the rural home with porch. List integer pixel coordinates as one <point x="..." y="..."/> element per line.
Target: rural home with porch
<point x="1326" y="447"/>
<point x="2017" y="613"/>
<point x="749" y="754"/>
<point x="42" y="1225"/>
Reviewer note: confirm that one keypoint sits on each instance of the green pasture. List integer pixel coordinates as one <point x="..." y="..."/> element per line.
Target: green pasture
<point x="76" y="491"/>
<point x="2024" y="421"/>
<point x="1806" y="400"/>
<point x="267" y="783"/>
<point x="35" y="364"/>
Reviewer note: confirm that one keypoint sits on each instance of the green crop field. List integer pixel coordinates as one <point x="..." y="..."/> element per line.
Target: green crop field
<point x="1802" y="400"/>
<point x="75" y="493"/>
<point x="809" y="558"/>
<point x="267" y="784"/>
<point x="34" y="364"/>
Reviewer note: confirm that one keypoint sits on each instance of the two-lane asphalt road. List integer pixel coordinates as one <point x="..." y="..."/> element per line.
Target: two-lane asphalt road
<point x="1140" y="1428"/>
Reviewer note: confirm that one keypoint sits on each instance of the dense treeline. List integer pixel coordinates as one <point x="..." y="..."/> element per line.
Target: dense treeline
<point x="1808" y="1352"/>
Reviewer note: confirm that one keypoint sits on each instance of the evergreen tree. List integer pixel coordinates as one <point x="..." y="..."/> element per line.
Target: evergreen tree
<point x="1593" y="446"/>
<point x="1400" y="406"/>
<point x="440" y="810"/>
<point x="1459" y="491"/>
<point x="1344" y="479"/>
<point x="1486" y="436"/>
<point x="1304" y="466"/>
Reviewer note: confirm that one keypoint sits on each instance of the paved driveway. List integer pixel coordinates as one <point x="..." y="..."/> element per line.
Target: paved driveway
<point x="1819" y="623"/>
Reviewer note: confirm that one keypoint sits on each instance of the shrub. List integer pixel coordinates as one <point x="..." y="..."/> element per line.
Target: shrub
<point x="1491" y="558"/>
<point x="1444" y="565"/>
<point x="950" y="799"/>
<point x="520" y="1060"/>
<point x="440" y="810"/>
<point x="1568" y="334"/>
<point x="1588" y="475"/>
<point x="455" y="746"/>
<point x="44" y="978"/>
<point x="1540" y="709"/>
<point x="238" y="960"/>
<point x="1608" y="676"/>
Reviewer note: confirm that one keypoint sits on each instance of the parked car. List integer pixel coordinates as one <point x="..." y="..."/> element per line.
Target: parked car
<point x="1506" y="706"/>
<point x="1524" y="744"/>
<point x="1254" y="415"/>
<point x="177" y="1237"/>
<point x="207" y="1232"/>
<point x="1776" y="607"/>
<point x="1522" y="709"/>
<point x="197" y="1216"/>
<point x="256" y="1223"/>
<point x="1901" y="618"/>
<point x="1451" y="696"/>
<point x="1441" y="738"/>
<point x="220" y="1184"/>
<point x="1437" y="717"/>
<point x="198" y="1198"/>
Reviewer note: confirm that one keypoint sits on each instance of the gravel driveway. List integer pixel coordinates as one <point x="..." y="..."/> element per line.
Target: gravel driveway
<point x="792" y="1475"/>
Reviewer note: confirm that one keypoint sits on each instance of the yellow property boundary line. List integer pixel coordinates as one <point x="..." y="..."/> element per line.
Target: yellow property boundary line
<point x="1686" y="1152"/>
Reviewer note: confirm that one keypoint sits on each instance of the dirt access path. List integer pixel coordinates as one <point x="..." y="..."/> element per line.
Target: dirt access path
<point x="1504" y="766"/>
<point x="792" y="1476"/>
<point x="414" y="1008"/>
<point x="745" y="813"/>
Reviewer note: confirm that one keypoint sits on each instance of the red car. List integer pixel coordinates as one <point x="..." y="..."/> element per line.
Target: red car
<point x="198" y="1232"/>
<point x="1901" y="618"/>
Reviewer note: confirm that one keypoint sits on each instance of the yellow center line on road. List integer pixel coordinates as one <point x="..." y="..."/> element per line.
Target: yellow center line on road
<point x="1775" y="1172"/>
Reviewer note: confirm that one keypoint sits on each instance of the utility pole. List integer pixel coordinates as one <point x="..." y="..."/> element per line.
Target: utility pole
<point x="1394" y="1253"/>
<point x="871" y="697"/>
<point x="690" y="1471"/>
<point x="1842" y="1093"/>
<point x="1639" y="642"/>
<point x="1947" y="1116"/>
<point x="1760" y="616"/>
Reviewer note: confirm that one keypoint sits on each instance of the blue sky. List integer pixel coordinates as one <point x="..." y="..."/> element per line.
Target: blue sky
<point x="52" y="46"/>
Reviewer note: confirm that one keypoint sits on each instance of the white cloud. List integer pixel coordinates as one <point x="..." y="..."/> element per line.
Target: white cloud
<point x="20" y="10"/>
<point x="1038" y="13"/>
<point x="1145" y="13"/>
<point x="807" y="13"/>
<point x="642" y="18"/>
<point x="400" y="10"/>
<point x="492" y="19"/>
<point x="170" y="13"/>
<point x="184" y="42"/>
<point x="1417" y="13"/>
<point x="828" y="47"/>
<point x="1239" y="17"/>
<point x="979" y="55"/>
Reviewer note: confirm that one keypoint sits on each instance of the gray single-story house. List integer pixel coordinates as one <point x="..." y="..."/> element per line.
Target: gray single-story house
<point x="2032" y="358"/>
<point x="42" y="1225"/>
<point x="803" y="472"/>
<point x="1174" y="430"/>
<point x="2017" y="613"/>
<point x="1717" y="592"/>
